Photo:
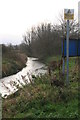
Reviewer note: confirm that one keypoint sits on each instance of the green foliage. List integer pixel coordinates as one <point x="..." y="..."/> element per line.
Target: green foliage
<point x="41" y="100"/>
<point x="13" y="60"/>
<point x="51" y="58"/>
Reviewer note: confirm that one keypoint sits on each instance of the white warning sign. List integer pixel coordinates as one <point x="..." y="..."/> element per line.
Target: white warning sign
<point x="68" y="14"/>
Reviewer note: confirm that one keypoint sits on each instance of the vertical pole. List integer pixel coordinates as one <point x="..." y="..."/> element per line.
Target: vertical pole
<point x="67" y="50"/>
<point x="63" y="70"/>
<point x="63" y="67"/>
<point x="0" y="78"/>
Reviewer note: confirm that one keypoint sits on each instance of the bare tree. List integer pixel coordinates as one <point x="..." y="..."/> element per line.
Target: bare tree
<point x="45" y="39"/>
<point x="73" y="27"/>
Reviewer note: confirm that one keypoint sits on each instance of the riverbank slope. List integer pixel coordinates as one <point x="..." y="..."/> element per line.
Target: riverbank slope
<point x="13" y="62"/>
<point x="40" y="99"/>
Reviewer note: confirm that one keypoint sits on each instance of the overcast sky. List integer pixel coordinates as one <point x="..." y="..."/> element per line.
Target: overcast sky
<point x="18" y="16"/>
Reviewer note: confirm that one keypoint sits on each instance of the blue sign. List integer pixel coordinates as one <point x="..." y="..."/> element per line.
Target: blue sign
<point x="74" y="47"/>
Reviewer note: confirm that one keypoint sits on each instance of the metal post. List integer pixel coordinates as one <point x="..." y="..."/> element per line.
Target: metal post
<point x="67" y="50"/>
<point x="63" y="67"/>
<point x="0" y="78"/>
<point x="63" y="70"/>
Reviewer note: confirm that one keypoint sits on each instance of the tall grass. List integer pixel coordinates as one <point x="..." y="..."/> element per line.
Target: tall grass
<point x="12" y="62"/>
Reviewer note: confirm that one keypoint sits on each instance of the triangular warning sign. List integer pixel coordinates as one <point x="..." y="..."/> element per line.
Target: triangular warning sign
<point x="69" y="11"/>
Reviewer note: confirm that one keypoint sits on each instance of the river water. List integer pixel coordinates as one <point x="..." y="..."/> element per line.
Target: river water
<point x="9" y="85"/>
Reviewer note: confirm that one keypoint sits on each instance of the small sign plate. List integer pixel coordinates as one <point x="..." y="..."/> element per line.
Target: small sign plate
<point x="69" y="14"/>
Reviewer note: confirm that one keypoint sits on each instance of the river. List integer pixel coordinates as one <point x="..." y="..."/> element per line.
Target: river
<point x="9" y="85"/>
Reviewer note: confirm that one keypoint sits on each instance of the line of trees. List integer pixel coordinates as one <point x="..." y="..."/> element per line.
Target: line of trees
<point x="46" y="39"/>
